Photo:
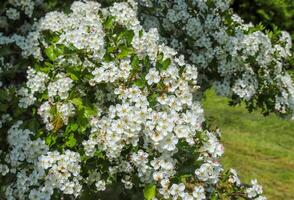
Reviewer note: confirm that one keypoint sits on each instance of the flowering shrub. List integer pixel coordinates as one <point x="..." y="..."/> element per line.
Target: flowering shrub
<point x="106" y="102"/>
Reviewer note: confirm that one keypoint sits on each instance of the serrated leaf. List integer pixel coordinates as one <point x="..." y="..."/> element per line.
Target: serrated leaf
<point x="149" y="191"/>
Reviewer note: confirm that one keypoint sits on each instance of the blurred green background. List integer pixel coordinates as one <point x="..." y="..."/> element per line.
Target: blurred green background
<point x="257" y="146"/>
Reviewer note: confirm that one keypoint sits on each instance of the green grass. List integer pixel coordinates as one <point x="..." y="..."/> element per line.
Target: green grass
<point x="256" y="146"/>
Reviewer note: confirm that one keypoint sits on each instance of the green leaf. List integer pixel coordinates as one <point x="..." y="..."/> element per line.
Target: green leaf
<point x="46" y="68"/>
<point x="71" y="127"/>
<point x="73" y="76"/>
<point x="50" y="37"/>
<point x="127" y="35"/>
<point x="153" y="99"/>
<point x="214" y="196"/>
<point x="82" y="121"/>
<point x="89" y="112"/>
<point x="52" y="52"/>
<point x="135" y="63"/>
<point x="3" y="94"/>
<point x="264" y="14"/>
<point x="99" y="154"/>
<point x="125" y="52"/>
<point x="140" y="83"/>
<point x="149" y="191"/>
<point x="78" y="102"/>
<point x="51" y="140"/>
<point x="164" y="64"/>
<point x="108" y="24"/>
<point x="71" y="141"/>
<point x="111" y="49"/>
<point x="184" y="177"/>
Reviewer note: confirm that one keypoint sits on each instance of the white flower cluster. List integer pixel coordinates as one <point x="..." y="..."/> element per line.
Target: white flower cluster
<point x="228" y="49"/>
<point x="124" y="15"/>
<point x="82" y="29"/>
<point x="22" y="147"/>
<point x="234" y="177"/>
<point x="23" y="150"/>
<point x="147" y="43"/>
<point x="60" y="87"/>
<point x="63" y="171"/>
<point x="64" y="112"/>
<point x="126" y="120"/>
<point x="286" y="99"/>
<point x="45" y="170"/>
<point x="12" y="13"/>
<point x="246" y="86"/>
<point x="209" y="172"/>
<point x="27" y="6"/>
<point x="35" y="84"/>
<point x="100" y="185"/>
<point x="38" y="82"/>
<point x="45" y="112"/>
<point x="254" y="191"/>
<point x="111" y="72"/>
<point x="4" y="119"/>
<point x="212" y="146"/>
<point x="4" y="169"/>
<point x="177" y="191"/>
<point x="29" y="44"/>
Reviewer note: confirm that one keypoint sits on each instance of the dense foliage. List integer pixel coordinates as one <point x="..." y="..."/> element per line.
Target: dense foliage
<point x="95" y="98"/>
